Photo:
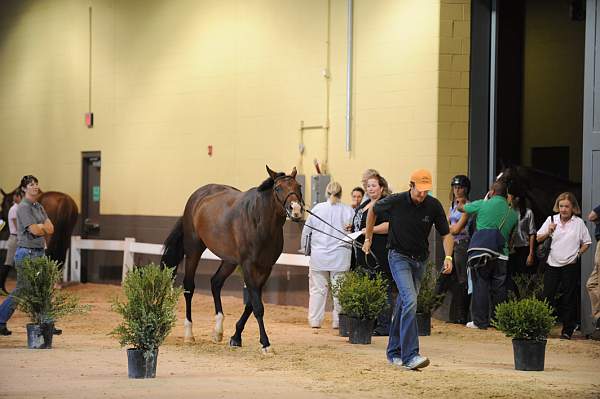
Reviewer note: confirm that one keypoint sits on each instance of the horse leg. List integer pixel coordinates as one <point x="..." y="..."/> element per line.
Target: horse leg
<point x="191" y="263"/>
<point x="236" y="339"/>
<point x="255" y="291"/>
<point x="216" y="283"/>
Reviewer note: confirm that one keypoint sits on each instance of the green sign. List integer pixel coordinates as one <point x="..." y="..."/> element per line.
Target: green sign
<point x="96" y="193"/>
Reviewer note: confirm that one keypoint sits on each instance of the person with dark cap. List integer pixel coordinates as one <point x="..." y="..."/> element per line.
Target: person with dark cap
<point x="411" y="216"/>
<point x="33" y="225"/>
<point x="456" y="282"/>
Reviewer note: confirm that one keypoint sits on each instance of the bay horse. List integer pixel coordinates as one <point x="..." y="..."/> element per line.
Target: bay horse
<point x="62" y="212"/>
<point x="241" y="228"/>
<point x="539" y="188"/>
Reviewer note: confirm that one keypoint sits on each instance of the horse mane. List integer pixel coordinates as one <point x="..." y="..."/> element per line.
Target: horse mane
<point x="269" y="183"/>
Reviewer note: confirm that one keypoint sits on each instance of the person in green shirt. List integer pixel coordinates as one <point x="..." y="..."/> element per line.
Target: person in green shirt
<point x="489" y="281"/>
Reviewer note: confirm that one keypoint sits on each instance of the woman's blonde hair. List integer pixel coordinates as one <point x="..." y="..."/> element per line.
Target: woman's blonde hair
<point x="569" y="197"/>
<point x="334" y="191"/>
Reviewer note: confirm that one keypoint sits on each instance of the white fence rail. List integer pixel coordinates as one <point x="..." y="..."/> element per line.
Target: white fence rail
<point x="129" y="247"/>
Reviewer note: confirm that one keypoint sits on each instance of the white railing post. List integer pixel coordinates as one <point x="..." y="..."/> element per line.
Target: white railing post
<point x="127" y="257"/>
<point x="76" y="259"/>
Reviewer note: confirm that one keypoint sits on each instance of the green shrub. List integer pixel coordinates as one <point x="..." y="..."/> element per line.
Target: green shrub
<point x="150" y="311"/>
<point x="39" y="298"/>
<point x="361" y="296"/>
<point x="427" y="300"/>
<point x="528" y="318"/>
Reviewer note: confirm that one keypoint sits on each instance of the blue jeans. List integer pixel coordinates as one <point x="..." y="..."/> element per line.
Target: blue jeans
<point x="404" y="337"/>
<point x="8" y="306"/>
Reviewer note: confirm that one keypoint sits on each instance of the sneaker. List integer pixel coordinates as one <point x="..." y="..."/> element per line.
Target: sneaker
<point x="5" y="331"/>
<point x="417" y="362"/>
<point x="472" y="324"/>
<point x="396" y="361"/>
<point x="56" y="331"/>
<point x="595" y="335"/>
<point x="565" y="336"/>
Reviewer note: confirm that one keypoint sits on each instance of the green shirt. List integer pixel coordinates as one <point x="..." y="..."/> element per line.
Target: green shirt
<point x="491" y="214"/>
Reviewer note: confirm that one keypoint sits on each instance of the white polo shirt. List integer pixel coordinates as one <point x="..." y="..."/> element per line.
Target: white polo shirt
<point x="329" y="253"/>
<point x="566" y="240"/>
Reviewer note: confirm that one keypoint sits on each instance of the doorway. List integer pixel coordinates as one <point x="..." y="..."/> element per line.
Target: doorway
<point x="90" y="205"/>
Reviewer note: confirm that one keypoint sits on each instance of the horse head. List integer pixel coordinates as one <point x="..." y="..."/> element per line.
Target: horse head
<point x="287" y="192"/>
<point x="7" y="202"/>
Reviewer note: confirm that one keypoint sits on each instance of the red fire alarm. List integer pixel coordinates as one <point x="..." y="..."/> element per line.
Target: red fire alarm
<point x="210" y="150"/>
<point x="89" y="119"/>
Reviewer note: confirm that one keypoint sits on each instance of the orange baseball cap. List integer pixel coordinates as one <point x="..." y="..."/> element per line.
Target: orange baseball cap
<point x="422" y="179"/>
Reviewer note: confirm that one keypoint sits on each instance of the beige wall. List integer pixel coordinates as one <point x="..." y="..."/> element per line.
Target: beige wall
<point x="453" y="106"/>
<point x="553" y="72"/>
<point x="171" y="78"/>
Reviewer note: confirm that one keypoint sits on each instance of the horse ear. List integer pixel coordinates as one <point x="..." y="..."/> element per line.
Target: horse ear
<point x="3" y="193"/>
<point x="271" y="173"/>
<point x="294" y="171"/>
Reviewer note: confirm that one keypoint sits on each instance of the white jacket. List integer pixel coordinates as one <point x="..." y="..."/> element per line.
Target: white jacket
<point x="328" y="253"/>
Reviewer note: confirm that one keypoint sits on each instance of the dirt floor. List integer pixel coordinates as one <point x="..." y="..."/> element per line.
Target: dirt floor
<point x="87" y="363"/>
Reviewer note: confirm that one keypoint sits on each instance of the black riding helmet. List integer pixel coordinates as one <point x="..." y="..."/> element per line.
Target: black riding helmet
<point x="463" y="181"/>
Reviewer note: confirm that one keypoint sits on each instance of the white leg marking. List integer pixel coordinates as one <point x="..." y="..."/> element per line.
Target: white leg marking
<point x="268" y="351"/>
<point x="188" y="335"/>
<point x="218" y="333"/>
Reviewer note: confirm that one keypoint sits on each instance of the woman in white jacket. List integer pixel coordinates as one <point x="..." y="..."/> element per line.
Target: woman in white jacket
<point x="329" y="257"/>
<point x="570" y="239"/>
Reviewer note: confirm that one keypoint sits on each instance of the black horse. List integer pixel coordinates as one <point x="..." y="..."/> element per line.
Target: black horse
<point x="242" y="228"/>
<point x="539" y="188"/>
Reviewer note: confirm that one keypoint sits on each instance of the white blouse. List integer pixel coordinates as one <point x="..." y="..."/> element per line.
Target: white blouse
<point x="566" y="240"/>
<point x="328" y="253"/>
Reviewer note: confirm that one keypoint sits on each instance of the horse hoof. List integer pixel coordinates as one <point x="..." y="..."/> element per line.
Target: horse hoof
<point x="217" y="337"/>
<point x="189" y="340"/>
<point x="267" y="351"/>
<point x="234" y="343"/>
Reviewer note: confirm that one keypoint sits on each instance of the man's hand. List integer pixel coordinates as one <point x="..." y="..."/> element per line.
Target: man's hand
<point x="367" y="246"/>
<point x="447" y="268"/>
<point x="530" y="259"/>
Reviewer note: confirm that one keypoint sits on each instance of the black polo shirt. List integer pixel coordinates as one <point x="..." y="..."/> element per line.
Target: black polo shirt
<point x="410" y="224"/>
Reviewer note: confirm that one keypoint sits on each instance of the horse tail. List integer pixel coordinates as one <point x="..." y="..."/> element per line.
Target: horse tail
<point x="64" y="223"/>
<point x="173" y="253"/>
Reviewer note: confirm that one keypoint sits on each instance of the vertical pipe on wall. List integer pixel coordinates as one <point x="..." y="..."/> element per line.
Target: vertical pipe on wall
<point x="90" y="64"/>
<point x="349" y="77"/>
<point x="327" y="86"/>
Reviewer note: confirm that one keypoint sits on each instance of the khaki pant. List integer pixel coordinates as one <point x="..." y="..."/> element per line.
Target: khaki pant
<point x="593" y="284"/>
<point x="318" y="288"/>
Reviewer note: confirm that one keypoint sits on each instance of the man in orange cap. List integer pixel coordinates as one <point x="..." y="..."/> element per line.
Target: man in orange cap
<point x="412" y="214"/>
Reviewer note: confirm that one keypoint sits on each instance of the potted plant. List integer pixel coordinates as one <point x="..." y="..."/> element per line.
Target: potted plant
<point x="42" y="302"/>
<point x="427" y="300"/>
<point x="528" y="322"/>
<point x="361" y="298"/>
<point x="148" y="316"/>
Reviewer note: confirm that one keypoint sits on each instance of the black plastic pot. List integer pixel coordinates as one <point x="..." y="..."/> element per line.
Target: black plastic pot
<point x="140" y="366"/>
<point x="529" y="354"/>
<point x="424" y="324"/>
<point x="360" y="330"/>
<point x="39" y="336"/>
<point x="344" y="327"/>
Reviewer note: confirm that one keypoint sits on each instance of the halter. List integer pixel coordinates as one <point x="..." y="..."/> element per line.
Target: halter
<point x="282" y="203"/>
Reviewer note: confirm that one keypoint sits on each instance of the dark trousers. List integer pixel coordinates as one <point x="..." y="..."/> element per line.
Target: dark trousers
<point x="489" y="288"/>
<point x="517" y="264"/>
<point x="456" y="283"/>
<point x="566" y="277"/>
